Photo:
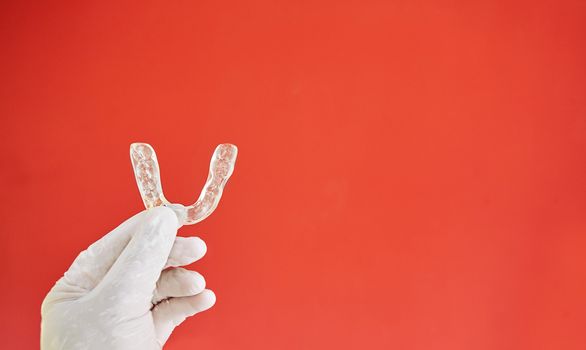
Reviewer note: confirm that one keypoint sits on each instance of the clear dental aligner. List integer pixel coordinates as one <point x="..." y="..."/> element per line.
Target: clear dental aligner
<point x="148" y="178"/>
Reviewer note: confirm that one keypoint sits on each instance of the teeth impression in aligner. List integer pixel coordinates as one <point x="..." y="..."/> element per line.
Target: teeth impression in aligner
<point x="148" y="179"/>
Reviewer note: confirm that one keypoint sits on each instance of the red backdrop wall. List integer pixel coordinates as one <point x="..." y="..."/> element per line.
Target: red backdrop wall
<point x="411" y="175"/>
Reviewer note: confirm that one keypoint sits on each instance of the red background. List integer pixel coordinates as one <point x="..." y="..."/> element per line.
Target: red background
<point x="411" y="175"/>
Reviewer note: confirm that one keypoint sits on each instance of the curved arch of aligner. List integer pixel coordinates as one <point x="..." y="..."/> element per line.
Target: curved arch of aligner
<point x="148" y="179"/>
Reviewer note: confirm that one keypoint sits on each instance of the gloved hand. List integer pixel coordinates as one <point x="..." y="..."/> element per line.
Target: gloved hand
<point x="118" y="294"/>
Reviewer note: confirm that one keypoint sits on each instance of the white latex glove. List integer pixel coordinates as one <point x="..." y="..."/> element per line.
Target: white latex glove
<point x="118" y="294"/>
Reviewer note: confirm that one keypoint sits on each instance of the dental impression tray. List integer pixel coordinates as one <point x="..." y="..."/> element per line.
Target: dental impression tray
<point x="148" y="179"/>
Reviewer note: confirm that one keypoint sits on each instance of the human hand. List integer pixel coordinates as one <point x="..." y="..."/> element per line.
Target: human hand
<point x="119" y="294"/>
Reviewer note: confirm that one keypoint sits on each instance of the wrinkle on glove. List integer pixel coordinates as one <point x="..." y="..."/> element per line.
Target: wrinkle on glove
<point x="116" y="295"/>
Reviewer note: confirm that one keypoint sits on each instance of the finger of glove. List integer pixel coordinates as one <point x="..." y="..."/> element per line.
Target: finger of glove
<point x="171" y="312"/>
<point x="91" y="265"/>
<point x="132" y="279"/>
<point x="186" y="250"/>
<point x="178" y="282"/>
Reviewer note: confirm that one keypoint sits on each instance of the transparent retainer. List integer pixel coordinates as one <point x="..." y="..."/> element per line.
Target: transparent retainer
<point x="148" y="179"/>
